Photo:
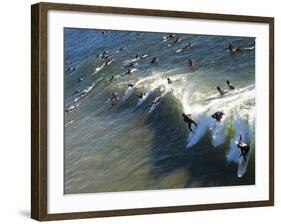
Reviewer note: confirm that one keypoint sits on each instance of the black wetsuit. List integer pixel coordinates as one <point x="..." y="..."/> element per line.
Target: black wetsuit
<point x="244" y="148"/>
<point x="191" y="63"/>
<point x="128" y="72"/>
<point x="230" y="47"/>
<point x="154" y="60"/>
<point x="220" y="90"/>
<point x="231" y="87"/>
<point x="113" y="99"/>
<point x="131" y="64"/>
<point x="218" y="116"/>
<point x="189" y="121"/>
<point x="140" y="96"/>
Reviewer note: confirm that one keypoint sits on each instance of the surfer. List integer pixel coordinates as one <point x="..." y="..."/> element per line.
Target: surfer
<point x="169" y="81"/>
<point x="69" y="109"/>
<point x="232" y="49"/>
<point x="128" y="72"/>
<point x="189" y="45"/>
<point x="191" y="63"/>
<point x="71" y="69"/>
<point x="114" y="99"/>
<point x="130" y="85"/>
<point x="122" y="48"/>
<point x="218" y="116"/>
<point x="176" y="40"/>
<point x="108" y="61"/>
<point x="76" y="91"/>
<point x="112" y="77"/>
<point x="154" y="60"/>
<point x="130" y="65"/>
<point x="188" y="120"/>
<point x="231" y="87"/>
<point x="220" y="91"/>
<point x="244" y="148"/>
<point x="140" y="95"/>
<point x="103" y="55"/>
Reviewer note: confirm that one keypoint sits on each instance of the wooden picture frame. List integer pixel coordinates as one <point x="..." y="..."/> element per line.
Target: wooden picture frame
<point x="39" y="108"/>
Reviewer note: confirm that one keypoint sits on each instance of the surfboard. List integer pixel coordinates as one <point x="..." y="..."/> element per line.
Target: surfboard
<point x="157" y="102"/>
<point x="179" y="50"/>
<point x="128" y="93"/>
<point x="144" y="97"/>
<point x="144" y="56"/>
<point x="249" y="48"/>
<point x="190" y="138"/>
<point x="69" y="109"/>
<point x="243" y="164"/>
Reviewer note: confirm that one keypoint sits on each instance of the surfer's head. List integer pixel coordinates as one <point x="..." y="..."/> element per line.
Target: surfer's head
<point x="227" y="81"/>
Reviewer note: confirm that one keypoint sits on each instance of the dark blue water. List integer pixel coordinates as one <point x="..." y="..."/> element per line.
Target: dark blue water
<point x="138" y="145"/>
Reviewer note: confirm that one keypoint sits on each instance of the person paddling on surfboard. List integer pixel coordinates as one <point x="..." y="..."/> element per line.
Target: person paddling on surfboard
<point x="244" y="148"/>
<point x="231" y="87"/>
<point x="189" y="45"/>
<point x="218" y="116"/>
<point x="220" y="91"/>
<point x="112" y="77"/>
<point x="154" y="60"/>
<point x="191" y="63"/>
<point x="128" y="72"/>
<point x="232" y="49"/>
<point x="176" y="40"/>
<point x="114" y="98"/>
<point x="140" y="95"/>
<point x="130" y="85"/>
<point x="108" y="61"/>
<point x="188" y="120"/>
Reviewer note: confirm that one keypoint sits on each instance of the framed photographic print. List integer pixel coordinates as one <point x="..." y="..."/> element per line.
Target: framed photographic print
<point x="138" y="111"/>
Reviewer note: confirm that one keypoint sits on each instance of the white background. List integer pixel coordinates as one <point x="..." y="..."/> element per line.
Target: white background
<point x="15" y="112"/>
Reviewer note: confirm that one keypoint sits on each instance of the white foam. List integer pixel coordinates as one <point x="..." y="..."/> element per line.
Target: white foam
<point x="128" y="93"/>
<point x="144" y="97"/>
<point x="203" y="124"/>
<point x="218" y="132"/>
<point x="156" y="102"/>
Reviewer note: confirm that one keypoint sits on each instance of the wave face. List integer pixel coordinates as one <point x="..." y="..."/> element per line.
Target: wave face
<point x="143" y="143"/>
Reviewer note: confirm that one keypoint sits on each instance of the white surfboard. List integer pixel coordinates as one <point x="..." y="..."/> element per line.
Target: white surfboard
<point x="249" y="48"/>
<point x="128" y="93"/>
<point x="179" y="50"/>
<point x="157" y="101"/>
<point x="243" y="164"/>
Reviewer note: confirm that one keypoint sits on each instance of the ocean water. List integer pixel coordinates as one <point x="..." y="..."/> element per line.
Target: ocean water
<point x="137" y="145"/>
